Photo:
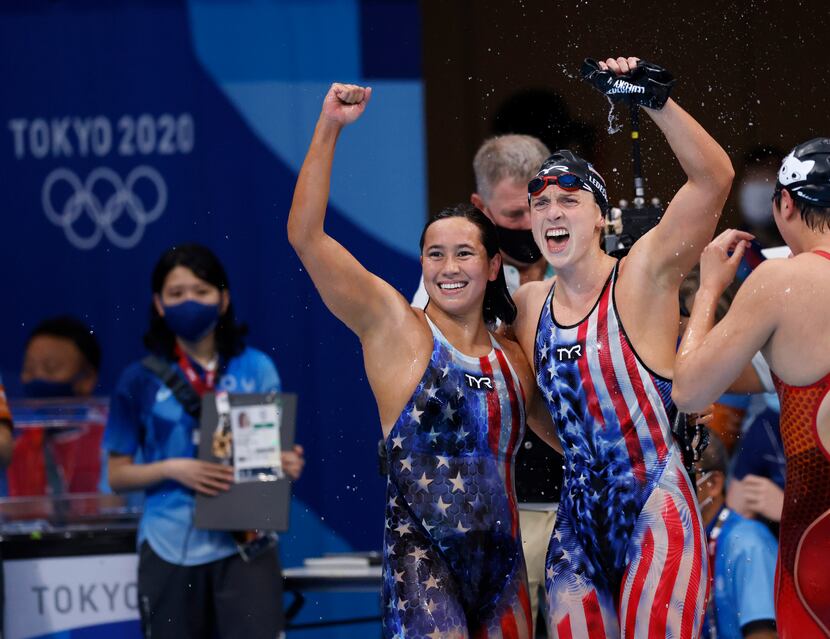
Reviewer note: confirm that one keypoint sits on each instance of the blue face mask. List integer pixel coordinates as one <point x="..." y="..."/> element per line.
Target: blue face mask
<point x="44" y="389"/>
<point x="191" y="320"/>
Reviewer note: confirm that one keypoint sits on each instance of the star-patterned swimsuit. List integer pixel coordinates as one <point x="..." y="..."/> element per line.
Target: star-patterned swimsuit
<point x="453" y="561"/>
<point x="627" y="557"/>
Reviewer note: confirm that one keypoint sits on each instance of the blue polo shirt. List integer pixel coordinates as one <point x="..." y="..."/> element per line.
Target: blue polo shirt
<point x="144" y="415"/>
<point x="745" y="557"/>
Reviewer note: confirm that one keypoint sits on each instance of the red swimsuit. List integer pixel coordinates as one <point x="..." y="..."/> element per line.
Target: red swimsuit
<point x="803" y="580"/>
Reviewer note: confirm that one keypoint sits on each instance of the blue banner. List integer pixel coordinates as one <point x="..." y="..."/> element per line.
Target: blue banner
<point x="129" y="127"/>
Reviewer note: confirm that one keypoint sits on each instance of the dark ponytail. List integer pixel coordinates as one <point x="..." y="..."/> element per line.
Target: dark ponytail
<point x="498" y="305"/>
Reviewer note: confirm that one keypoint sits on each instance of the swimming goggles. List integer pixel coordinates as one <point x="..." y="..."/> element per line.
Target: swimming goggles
<point x="565" y="181"/>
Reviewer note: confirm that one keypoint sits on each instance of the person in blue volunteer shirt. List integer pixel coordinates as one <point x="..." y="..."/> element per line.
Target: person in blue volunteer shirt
<point x="742" y="553"/>
<point x="191" y="582"/>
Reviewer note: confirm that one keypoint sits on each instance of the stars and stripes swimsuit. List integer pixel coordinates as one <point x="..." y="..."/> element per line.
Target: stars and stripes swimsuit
<point x="453" y="562"/>
<point x="802" y="593"/>
<point x="627" y="557"/>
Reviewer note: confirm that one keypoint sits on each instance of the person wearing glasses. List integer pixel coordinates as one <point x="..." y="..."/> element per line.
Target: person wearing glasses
<point x="783" y="310"/>
<point x="628" y="552"/>
<point x="452" y="398"/>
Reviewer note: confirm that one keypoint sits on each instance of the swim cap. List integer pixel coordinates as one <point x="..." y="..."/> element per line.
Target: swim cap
<point x="805" y="172"/>
<point x="565" y="161"/>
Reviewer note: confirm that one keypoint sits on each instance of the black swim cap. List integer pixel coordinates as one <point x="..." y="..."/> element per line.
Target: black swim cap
<point x="565" y="161"/>
<point x="805" y="172"/>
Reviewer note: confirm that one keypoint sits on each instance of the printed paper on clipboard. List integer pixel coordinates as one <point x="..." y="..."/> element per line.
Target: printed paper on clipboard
<point x="255" y="442"/>
<point x="260" y="495"/>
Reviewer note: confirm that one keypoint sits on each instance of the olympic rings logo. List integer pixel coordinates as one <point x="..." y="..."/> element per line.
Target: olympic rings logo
<point x="85" y="199"/>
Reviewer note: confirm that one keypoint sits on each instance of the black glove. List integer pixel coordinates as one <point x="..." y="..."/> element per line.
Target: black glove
<point x="648" y="84"/>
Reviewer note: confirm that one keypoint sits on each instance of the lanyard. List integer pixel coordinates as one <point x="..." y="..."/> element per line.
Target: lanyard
<point x="711" y="547"/>
<point x="201" y="386"/>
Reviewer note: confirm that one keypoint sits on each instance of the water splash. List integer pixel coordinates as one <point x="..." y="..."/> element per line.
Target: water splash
<point x="566" y="72"/>
<point x="614" y="124"/>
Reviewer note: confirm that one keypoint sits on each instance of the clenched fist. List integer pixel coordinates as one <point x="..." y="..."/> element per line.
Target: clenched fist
<point x="345" y="103"/>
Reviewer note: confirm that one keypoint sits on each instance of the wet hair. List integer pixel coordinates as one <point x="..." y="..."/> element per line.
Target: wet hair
<point x="497" y="301"/>
<point x="513" y="156"/>
<point x="817" y="218"/>
<point x="159" y="339"/>
<point x="73" y="329"/>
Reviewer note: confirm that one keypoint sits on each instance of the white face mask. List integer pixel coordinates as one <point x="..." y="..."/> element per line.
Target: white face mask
<point x="755" y="201"/>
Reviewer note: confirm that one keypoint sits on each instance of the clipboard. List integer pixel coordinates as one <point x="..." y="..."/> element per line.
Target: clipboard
<point x="260" y="505"/>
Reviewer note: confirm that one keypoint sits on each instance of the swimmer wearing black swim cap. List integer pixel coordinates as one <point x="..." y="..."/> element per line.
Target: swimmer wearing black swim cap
<point x="602" y="341"/>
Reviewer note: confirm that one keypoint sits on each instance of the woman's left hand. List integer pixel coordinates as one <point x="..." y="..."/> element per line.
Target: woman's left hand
<point x="293" y="462"/>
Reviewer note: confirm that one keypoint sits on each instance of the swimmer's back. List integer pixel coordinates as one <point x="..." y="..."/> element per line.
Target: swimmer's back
<point x="799" y="291"/>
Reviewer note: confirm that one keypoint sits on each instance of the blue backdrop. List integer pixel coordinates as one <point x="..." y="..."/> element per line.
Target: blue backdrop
<point x="129" y="127"/>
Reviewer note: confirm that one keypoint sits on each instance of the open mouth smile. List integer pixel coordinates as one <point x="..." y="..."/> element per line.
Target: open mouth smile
<point x="451" y="287"/>
<point x="557" y="239"/>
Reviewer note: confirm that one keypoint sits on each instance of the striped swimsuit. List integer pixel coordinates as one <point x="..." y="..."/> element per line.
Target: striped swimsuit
<point x="627" y="557"/>
<point x="802" y="593"/>
<point x="453" y="562"/>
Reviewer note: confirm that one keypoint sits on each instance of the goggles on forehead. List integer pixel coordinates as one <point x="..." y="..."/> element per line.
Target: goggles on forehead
<point x="565" y="181"/>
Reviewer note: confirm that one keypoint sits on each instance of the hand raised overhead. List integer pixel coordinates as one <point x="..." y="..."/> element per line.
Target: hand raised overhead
<point x="345" y="103"/>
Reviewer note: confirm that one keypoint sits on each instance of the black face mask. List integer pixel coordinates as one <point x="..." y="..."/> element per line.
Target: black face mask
<point x="518" y="244"/>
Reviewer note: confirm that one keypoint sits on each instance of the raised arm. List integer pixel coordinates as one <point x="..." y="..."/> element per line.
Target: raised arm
<point x="690" y="220"/>
<point x="674" y="246"/>
<point x="358" y="298"/>
<point x="711" y="356"/>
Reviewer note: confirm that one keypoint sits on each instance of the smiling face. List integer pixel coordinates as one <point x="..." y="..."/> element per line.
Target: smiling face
<point x="456" y="265"/>
<point x="566" y="224"/>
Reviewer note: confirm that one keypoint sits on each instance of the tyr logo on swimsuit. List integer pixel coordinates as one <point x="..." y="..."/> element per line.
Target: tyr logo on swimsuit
<point x="568" y="353"/>
<point x="478" y="383"/>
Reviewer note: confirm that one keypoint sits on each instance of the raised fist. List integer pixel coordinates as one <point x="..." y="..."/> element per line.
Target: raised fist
<point x="344" y="103"/>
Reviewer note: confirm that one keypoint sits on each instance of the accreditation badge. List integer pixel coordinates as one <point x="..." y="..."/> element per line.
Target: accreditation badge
<point x="255" y="437"/>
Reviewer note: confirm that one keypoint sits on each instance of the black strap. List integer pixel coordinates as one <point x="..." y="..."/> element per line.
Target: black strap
<point x="182" y="391"/>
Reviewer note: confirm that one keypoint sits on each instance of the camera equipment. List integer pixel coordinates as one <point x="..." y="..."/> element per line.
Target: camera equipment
<point x="627" y="223"/>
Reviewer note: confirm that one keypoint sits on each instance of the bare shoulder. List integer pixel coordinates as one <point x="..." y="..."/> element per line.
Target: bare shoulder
<point x="407" y="329"/>
<point x="529" y="300"/>
<point x="516" y="357"/>
<point x="772" y="278"/>
<point x="512" y="349"/>
<point x="530" y="291"/>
